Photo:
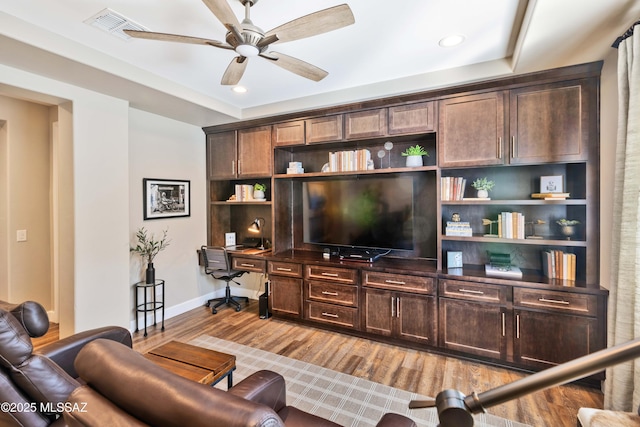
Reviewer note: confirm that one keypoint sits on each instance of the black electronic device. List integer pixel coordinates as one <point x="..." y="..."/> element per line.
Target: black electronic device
<point x="251" y="242"/>
<point x="360" y="255"/>
<point x="364" y="212"/>
<point x="263" y="303"/>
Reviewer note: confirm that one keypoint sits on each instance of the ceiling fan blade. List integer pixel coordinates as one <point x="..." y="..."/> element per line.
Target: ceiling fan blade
<point x="315" y="23"/>
<point x="297" y="66"/>
<point x="149" y="35"/>
<point x="234" y="71"/>
<point x="266" y="41"/>
<point x="416" y="404"/>
<point x="222" y="11"/>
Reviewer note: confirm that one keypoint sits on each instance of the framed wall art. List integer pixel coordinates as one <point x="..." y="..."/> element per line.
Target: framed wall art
<point x="551" y="184"/>
<point x="164" y="198"/>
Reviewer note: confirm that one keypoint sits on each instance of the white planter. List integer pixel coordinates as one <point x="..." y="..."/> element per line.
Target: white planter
<point x="258" y="194"/>
<point x="482" y="194"/>
<point x="414" y="161"/>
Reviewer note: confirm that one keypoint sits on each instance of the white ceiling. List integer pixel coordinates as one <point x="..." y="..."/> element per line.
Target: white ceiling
<point x="392" y="48"/>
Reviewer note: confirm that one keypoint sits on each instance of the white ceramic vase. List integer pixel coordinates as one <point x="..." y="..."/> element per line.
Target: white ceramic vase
<point x="483" y="194"/>
<point x="414" y="161"/>
<point x="258" y="194"/>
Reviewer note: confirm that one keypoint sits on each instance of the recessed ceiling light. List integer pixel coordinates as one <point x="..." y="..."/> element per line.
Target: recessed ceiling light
<point x="239" y="89"/>
<point x="451" y="41"/>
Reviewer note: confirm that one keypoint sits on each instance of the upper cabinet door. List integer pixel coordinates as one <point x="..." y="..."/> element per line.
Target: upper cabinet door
<point x="412" y="118"/>
<point x="221" y="155"/>
<point x="471" y="130"/>
<point x="288" y="133"/>
<point x="549" y="123"/>
<point x="365" y="124"/>
<point x="324" y="129"/>
<point x="255" y="156"/>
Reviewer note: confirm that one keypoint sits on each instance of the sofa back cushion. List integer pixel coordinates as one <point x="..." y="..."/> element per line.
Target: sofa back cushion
<point x="10" y="394"/>
<point x="39" y="378"/>
<point x="31" y="315"/>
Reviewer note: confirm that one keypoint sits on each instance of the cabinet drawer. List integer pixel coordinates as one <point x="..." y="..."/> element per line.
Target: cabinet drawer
<point x="473" y="291"/>
<point x="558" y="301"/>
<point x="332" y="293"/>
<point x="404" y="282"/>
<point x="334" y="274"/>
<point x="285" y="268"/>
<point x="334" y="314"/>
<point x="249" y="264"/>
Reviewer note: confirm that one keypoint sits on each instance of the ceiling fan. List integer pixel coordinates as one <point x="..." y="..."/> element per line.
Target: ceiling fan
<point x="248" y="40"/>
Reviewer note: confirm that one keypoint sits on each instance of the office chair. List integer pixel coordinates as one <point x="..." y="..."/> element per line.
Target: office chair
<point x="217" y="265"/>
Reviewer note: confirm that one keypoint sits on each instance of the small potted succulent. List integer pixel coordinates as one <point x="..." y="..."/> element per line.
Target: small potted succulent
<point x="148" y="247"/>
<point x="568" y="227"/>
<point x="258" y="191"/>
<point x="483" y="186"/>
<point x="414" y="155"/>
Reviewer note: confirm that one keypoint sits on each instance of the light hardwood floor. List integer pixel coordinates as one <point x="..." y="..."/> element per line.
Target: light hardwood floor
<point x="411" y="370"/>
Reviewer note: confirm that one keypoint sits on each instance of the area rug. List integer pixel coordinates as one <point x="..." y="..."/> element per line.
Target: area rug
<point x="344" y="399"/>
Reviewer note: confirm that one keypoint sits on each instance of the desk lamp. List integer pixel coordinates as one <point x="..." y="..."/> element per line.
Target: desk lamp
<point x="255" y="227"/>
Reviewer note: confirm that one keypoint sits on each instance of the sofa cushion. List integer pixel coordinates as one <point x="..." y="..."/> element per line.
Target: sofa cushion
<point x="31" y="315"/>
<point x="8" y="393"/>
<point x="15" y="344"/>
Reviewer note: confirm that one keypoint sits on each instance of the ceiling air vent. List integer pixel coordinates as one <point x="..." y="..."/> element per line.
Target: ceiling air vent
<point x="114" y="23"/>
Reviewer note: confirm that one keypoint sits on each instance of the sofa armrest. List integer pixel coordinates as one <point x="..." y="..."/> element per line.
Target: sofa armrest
<point x="395" y="420"/>
<point x="265" y="387"/>
<point x="63" y="352"/>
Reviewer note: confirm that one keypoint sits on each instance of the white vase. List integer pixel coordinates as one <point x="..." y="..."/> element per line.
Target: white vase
<point x="258" y="194"/>
<point x="483" y="194"/>
<point x="414" y="161"/>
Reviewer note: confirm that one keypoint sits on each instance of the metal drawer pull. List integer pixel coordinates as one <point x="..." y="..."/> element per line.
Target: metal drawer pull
<point x="247" y="265"/>
<point x="518" y="326"/>
<point x="395" y="282"/>
<point x="333" y="294"/>
<point x="330" y="315"/>
<point x="398" y="307"/>
<point x="393" y="307"/>
<point x="554" y="301"/>
<point x="470" y="291"/>
<point x="504" y="324"/>
<point x="329" y="274"/>
<point x="283" y="269"/>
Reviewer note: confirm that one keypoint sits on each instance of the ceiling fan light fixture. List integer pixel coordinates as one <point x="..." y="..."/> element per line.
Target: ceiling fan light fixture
<point x="247" y="50"/>
<point x="451" y="41"/>
<point x="239" y="89"/>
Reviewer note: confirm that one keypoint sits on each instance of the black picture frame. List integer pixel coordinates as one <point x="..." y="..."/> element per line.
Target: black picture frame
<point x="166" y="198"/>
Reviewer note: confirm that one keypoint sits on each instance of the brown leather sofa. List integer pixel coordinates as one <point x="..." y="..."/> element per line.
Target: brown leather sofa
<point x="125" y="389"/>
<point x="34" y="385"/>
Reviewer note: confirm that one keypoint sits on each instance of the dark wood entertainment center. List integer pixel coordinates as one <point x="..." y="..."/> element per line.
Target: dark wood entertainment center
<point x="513" y="131"/>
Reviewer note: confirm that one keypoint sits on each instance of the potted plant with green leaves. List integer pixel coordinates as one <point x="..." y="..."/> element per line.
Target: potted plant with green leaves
<point x="414" y="155"/>
<point x="483" y="186"/>
<point x="258" y="191"/>
<point x="148" y="247"/>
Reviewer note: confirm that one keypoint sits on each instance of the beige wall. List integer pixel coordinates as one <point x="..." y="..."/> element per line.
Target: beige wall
<point x="25" y="202"/>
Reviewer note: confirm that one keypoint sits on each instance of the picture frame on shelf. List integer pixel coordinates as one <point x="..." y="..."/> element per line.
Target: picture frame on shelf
<point x="164" y="198"/>
<point x="552" y="184"/>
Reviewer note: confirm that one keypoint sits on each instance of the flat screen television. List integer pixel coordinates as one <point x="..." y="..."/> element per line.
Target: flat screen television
<point x="362" y="212"/>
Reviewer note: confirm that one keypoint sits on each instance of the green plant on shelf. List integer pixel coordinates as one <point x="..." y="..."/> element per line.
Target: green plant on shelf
<point x="259" y="187"/>
<point x="415" y="150"/>
<point x="148" y="247"/>
<point x="567" y="222"/>
<point x="483" y="184"/>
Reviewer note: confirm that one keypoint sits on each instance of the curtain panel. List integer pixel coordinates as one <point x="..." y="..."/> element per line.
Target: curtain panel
<point x="622" y="388"/>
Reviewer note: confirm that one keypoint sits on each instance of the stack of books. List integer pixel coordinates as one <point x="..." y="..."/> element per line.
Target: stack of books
<point x="349" y="160"/>
<point x="511" y="225"/>
<point x="244" y="192"/>
<point x="452" y="187"/>
<point x="458" y="228"/>
<point x="550" y="196"/>
<point x="559" y="265"/>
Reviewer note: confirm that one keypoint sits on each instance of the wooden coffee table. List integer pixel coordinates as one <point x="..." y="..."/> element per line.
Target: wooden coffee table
<point x="195" y="363"/>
